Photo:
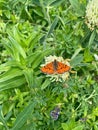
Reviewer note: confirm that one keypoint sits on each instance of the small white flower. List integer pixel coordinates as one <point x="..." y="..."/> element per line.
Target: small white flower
<point x="96" y="57"/>
<point x="92" y="14"/>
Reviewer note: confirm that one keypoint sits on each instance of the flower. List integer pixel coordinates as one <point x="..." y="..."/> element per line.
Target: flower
<point x="57" y="76"/>
<point x="55" y="113"/>
<point x="96" y="57"/>
<point x="84" y="119"/>
<point x="92" y="14"/>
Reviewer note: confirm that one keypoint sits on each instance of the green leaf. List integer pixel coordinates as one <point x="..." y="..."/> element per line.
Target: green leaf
<point x="78" y="7"/>
<point x="18" y="36"/>
<point x="76" y="60"/>
<point x="9" y="48"/>
<point x="12" y="83"/>
<point x="95" y="111"/>
<point x="45" y="84"/>
<point x="32" y="41"/>
<point x="80" y="127"/>
<point x="30" y="59"/>
<point x="39" y="12"/>
<point x="37" y="61"/>
<point x="92" y="37"/>
<point x="56" y="2"/>
<point x="23" y="116"/>
<point x="10" y="74"/>
<point x="88" y="57"/>
<point x="29" y="76"/>
<point x="2" y="118"/>
<point x="65" y="126"/>
<point x="17" y="46"/>
<point x="69" y="125"/>
<point x="76" y="52"/>
<point x="14" y="48"/>
<point x="95" y="127"/>
<point x="72" y="125"/>
<point x="6" y="66"/>
<point x="53" y="25"/>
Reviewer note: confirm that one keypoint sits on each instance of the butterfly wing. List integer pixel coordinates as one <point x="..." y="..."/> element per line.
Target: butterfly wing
<point x="62" y="68"/>
<point x="48" y="69"/>
<point x="55" y="67"/>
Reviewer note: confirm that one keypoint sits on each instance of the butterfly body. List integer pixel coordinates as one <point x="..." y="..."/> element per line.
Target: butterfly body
<point x="55" y="67"/>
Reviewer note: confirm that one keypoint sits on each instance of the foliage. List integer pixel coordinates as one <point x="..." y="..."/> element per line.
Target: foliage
<point x="29" y="31"/>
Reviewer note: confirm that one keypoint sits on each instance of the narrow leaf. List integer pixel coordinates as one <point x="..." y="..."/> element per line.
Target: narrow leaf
<point x="10" y="74"/>
<point x="2" y="118"/>
<point x="77" y="60"/>
<point x="13" y="83"/>
<point x="78" y="7"/>
<point x="88" y="57"/>
<point x="17" y="46"/>
<point x="23" y="116"/>
<point x="37" y="61"/>
<point x="52" y="26"/>
<point x="80" y="127"/>
<point x="92" y="37"/>
<point x="76" y="52"/>
<point x="29" y="76"/>
<point x="65" y="126"/>
<point x="45" y="84"/>
<point x="56" y="2"/>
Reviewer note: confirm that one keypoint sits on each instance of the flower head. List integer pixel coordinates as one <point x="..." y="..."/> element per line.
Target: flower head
<point x="92" y="14"/>
<point x="55" y="113"/>
<point x="56" y="68"/>
<point x="96" y="57"/>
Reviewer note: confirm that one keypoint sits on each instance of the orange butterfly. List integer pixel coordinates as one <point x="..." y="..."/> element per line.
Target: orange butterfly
<point x="55" y="67"/>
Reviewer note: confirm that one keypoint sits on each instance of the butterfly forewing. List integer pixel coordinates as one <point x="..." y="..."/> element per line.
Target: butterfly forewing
<point x="48" y="69"/>
<point x="62" y="68"/>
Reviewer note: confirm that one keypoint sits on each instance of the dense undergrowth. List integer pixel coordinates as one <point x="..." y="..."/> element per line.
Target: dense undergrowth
<point x="31" y="30"/>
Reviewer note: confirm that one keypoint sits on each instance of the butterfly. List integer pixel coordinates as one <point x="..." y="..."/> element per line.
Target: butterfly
<point x="55" y="67"/>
